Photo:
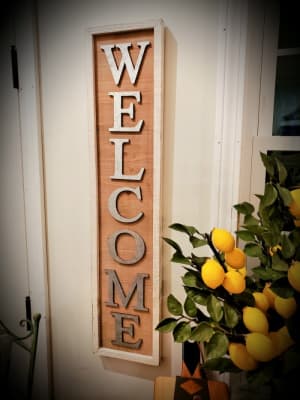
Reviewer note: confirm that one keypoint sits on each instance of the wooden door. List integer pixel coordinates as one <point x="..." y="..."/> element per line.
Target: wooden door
<point x="23" y="283"/>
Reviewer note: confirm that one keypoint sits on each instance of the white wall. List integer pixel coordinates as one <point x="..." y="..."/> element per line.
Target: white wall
<point x="191" y="65"/>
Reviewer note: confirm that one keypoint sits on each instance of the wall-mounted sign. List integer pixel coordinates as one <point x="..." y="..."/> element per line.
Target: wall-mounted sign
<point x="128" y="93"/>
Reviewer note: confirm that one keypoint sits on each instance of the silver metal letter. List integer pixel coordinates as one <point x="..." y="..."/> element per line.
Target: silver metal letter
<point x="125" y="60"/>
<point x="119" y="111"/>
<point x="121" y="330"/>
<point x="113" y="207"/>
<point x="140" y="247"/>
<point x="138" y="285"/>
<point x="118" y="174"/>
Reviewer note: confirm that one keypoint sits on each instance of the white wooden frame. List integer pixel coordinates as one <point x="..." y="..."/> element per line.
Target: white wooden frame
<point x="33" y="183"/>
<point x="158" y="28"/>
<point x="232" y="38"/>
<point x="268" y="71"/>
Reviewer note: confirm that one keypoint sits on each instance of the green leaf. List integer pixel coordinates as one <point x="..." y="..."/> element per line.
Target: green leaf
<point x="190" y="308"/>
<point x="269" y="196"/>
<point x="189" y="230"/>
<point x="288" y="248"/>
<point x="231" y="316"/>
<point x="268" y="237"/>
<point x="267" y="274"/>
<point x="174" y="306"/>
<point x="245" y="235"/>
<point x="217" y="346"/>
<point x="293" y="326"/>
<point x="244" y="208"/>
<point x="295" y="238"/>
<point x="282" y="288"/>
<point x="291" y="360"/>
<point x="202" y="332"/>
<point x="250" y="220"/>
<point x="190" y="279"/>
<point x="198" y="296"/>
<point x="285" y="195"/>
<point x="268" y="218"/>
<point x="268" y="163"/>
<point x="254" y="228"/>
<point x="263" y="259"/>
<point x="271" y="237"/>
<point x="173" y="244"/>
<point x="196" y="242"/>
<point x="244" y="299"/>
<point x="179" y="258"/>
<point x="282" y="172"/>
<point x="261" y="376"/>
<point x="214" y="307"/>
<point x="278" y="264"/>
<point x="221" y="364"/>
<point x="199" y="261"/>
<point x="182" y="332"/>
<point x="252" y="250"/>
<point x="166" y="325"/>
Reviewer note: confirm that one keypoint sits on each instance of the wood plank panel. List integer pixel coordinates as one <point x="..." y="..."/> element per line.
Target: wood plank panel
<point x="134" y="332"/>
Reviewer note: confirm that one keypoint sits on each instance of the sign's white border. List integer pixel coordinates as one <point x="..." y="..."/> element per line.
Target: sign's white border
<point x="158" y="28"/>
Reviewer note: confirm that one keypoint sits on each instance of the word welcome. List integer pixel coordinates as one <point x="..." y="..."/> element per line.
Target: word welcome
<point x="125" y="323"/>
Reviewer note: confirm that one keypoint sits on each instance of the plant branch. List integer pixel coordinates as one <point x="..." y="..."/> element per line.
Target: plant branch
<point x="216" y="253"/>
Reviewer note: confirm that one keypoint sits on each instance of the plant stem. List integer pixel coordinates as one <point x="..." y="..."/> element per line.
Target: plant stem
<point x="188" y="318"/>
<point x="216" y="253"/>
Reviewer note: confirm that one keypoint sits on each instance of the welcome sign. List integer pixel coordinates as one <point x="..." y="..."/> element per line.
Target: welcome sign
<point x="128" y="92"/>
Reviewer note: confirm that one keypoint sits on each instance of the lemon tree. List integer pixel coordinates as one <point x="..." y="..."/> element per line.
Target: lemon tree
<point x="246" y="320"/>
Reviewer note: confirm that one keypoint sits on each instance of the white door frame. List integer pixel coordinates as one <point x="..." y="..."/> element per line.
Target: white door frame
<point x="32" y="165"/>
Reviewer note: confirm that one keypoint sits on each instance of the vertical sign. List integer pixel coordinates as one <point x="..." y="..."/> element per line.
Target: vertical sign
<point x="127" y="87"/>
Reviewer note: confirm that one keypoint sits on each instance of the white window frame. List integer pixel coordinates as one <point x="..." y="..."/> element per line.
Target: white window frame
<point x="262" y="54"/>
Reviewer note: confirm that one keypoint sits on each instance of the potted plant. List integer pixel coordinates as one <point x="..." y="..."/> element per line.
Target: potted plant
<point x="246" y="320"/>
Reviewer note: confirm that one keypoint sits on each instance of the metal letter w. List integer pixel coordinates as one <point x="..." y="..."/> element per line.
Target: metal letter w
<point x="125" y="60"/>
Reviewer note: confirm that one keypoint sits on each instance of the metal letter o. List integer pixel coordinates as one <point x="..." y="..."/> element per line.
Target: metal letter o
<point x="140" y="246"/>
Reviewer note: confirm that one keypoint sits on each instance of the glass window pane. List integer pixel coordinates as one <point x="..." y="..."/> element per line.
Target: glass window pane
<point x="286" y="120"/>
<point x="289" y="32"/>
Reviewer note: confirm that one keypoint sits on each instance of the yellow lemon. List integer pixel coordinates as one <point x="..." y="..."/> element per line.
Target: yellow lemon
<point x="261" y="301"/>
<point x="260" y="346"/>
<point x="277" y="341"/>
<point x="274" y="249"/>
<point x="286" y="340"/>
<point x="281" y="341"/>
<point x="255" y="320"/>
<point x="240" y="357"/>
<point x="236" y="258"/>
<point x="295" y="205"/>
<point x="222" y="240"/>
<point x="234" y="282"/>
<point x="242" y="271"/>
<point x="212" y="273"/>
<point x="294" y="275"/>
<point x="269" y="293"/>
<point x="285" y="307"/>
